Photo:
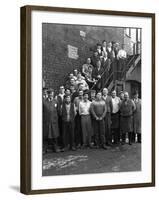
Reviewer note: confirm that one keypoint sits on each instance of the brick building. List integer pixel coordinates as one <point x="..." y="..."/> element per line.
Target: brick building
<point x="66" y="47"/>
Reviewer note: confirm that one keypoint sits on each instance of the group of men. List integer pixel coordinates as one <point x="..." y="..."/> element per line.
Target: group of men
<point x="90" y="119"/>
<point x="83" y="114"/>
<point x="107" y="58"/>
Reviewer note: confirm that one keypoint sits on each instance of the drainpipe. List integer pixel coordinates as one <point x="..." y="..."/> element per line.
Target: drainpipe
<point x="137" y="46"/>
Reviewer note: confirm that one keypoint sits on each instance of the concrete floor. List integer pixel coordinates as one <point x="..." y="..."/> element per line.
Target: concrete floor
<point x="115" y="159"/>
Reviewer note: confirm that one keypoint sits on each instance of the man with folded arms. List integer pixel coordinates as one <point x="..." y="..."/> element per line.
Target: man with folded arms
<point x="98" y="109"/>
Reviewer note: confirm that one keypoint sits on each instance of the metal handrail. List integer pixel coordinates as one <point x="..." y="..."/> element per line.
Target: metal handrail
<point x="131" y="60"/>
<point x="100" y="78"/>
<point x="126" y="69"/>
<point x="123" y="71"/>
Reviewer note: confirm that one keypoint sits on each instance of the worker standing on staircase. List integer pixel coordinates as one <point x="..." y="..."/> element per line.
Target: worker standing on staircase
<point x="121" y="56"/>
<point x="85" y="67"/>
<point x="97" y="75"/>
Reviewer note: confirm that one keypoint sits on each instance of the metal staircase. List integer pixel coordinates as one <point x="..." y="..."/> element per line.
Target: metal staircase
<point x="112" y="82"/>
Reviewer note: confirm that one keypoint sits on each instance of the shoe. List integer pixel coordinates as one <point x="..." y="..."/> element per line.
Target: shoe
<point x="109" y="144"/>
<point x="57" y="150"/>
<point x="90" y="146"/>
<point x="73" y="149"/>
<point x="83" y="146"/>
<point x="122" y="143"/>
<point x="62" y="150"/>
<point x="104" y="147"/>
<point x="78" y="146"/>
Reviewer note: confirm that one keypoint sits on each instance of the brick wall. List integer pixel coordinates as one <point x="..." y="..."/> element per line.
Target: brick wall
<point x="55" y="38"/>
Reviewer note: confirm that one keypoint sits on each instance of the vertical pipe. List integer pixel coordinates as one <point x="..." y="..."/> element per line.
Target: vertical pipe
<point x="137" y="44"/>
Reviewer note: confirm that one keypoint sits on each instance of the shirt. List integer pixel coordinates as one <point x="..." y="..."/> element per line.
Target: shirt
<point x="104" y="97"/>
<point x="84" y="107"/>
<point x="116" y="104"/>
<point x="85" y="68"/>
<point x="83" y="83"/>
<point x="109" y="49"/>
<point x="77" y="100"/>
<point x="61" y="95"/>
<point x="121" y="53"/>
<point x="68" y="111"/>
<point x="104" y="49"/>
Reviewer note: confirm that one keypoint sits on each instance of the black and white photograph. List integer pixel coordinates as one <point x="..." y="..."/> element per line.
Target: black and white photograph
<point x="91" y="99"/>
<point x="88" y="82"/>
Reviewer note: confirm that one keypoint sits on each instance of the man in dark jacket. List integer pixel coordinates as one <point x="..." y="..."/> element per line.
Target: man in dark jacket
<point x="127" y="109"/>
<point x="106" y="66"/>
<point x="68" y="113"/>
<point x="51" y="120"/>
<point x="59" y="98"/>
<point x="97" y="75"/>
<point x="94" y="59"/>
<point x="78" y="128"/>
<point x="45" y="136"/>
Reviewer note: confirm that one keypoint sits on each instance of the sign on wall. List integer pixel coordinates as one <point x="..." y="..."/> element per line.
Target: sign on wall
<point x="72" y="52"/>
<point x="82" y="34"/>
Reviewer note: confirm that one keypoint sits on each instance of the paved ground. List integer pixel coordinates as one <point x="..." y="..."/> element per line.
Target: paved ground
<point x="115" y="159"/>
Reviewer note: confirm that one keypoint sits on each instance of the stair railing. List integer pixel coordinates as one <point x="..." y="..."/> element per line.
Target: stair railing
<point x="104" y="72"/>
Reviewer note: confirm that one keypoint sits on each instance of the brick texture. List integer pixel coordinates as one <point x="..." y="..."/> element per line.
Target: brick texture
<point x="55" y="38"/>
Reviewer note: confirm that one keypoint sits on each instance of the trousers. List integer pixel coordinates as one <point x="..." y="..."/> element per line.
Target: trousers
<point x="68" y="134"/>
<point x="99" y="132"/>
<point x="86" y="129"/>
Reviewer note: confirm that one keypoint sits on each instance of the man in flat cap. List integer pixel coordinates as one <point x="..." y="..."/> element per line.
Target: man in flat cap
<point x="51" y="120"/>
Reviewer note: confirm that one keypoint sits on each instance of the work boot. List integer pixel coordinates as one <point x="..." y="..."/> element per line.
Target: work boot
<point x="104" y="147"/>
<point x="139" y="137"/>
<point x="130" y="138"/>
<point x="123" y="139"/>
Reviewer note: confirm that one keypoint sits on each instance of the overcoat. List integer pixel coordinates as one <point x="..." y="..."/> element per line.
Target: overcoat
<point x="126" y="116"/>
<point x="44" y="117"/>
<point x="51" y="118"/>
<point x="137" y="116"/>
